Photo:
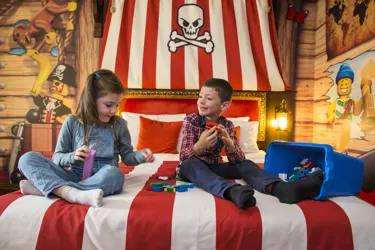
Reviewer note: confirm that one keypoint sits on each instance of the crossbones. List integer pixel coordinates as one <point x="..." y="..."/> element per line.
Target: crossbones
<point x="59" y="72"/>
<point x="173" y="45"/>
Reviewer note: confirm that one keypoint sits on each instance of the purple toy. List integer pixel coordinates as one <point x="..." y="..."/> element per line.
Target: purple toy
<point x="88" y="164"/>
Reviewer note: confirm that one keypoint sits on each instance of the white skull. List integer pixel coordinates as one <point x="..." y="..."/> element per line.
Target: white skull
<point x="190" y="19"/>
<point x="60" y="69"/>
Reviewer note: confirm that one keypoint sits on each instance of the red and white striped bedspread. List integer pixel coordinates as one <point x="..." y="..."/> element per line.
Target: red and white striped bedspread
<point x="141" y="219"/>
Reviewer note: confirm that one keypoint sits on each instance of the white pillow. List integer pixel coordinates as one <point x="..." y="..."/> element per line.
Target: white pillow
<point x="134" y="124"/>
<point x="249" y="136"/>
<point x="239" y="119"/>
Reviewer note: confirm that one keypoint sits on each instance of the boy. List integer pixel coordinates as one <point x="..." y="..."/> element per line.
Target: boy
<point x="201" y="162"/>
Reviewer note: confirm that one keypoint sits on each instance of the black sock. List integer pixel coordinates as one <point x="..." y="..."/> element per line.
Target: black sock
<point x="242" y="196"/>
<point x="295" y="191"/>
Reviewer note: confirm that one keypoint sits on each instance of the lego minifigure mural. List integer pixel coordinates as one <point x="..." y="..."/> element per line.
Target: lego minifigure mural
<point x="351" y="99"/>
<point x="50" y="29"/>
<point x="51" y="106"/>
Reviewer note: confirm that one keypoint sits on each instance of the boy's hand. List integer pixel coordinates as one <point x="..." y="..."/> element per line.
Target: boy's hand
<point x="208" y="138"/>
<point x="147" y="154"/>
<point x="81" y="153"/>
<point x="224" y="136"/>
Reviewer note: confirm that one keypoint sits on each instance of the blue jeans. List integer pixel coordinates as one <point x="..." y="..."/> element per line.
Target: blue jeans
<point x="45" y="175"/>
<point x="212" y="178"/>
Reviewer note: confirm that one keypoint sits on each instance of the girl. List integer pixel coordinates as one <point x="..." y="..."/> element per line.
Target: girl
<point x="94" y="126"/>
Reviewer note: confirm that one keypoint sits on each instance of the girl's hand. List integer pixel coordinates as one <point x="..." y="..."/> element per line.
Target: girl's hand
<point x="81" y="153"/>
<point x="147" y="154"/>
<point x="228" y="142"/>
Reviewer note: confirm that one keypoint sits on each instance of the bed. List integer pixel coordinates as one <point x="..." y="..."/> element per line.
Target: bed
<point x="141" y="219"/>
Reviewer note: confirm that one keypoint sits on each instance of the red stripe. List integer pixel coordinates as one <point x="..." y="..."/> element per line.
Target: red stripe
<point x="126" y="170"/>
<point x="204" y="59"/>
<point x="275" y="46"/>
<point x="123" y="48"/>
<point x="232" y="48"/>
<point x="105" y="33"/>
<point x="257" y="46"/>
<point x="247" y="224"/>
<point x="7" y="199"/>
<point x="62" y="226"/>
<point x="150" y="48"/>
<point x="145" y="208"/>
<point x="319" y="235"/>
<point x="177" y="58"/>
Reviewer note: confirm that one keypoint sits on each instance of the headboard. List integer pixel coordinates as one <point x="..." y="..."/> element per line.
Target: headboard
<point x="244" y="103"/>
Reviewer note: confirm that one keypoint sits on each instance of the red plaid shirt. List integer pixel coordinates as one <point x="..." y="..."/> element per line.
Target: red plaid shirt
<point x="193" y="127"/>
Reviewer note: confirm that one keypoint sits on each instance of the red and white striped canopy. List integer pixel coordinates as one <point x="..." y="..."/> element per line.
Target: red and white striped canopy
<point x="178" y="44"/>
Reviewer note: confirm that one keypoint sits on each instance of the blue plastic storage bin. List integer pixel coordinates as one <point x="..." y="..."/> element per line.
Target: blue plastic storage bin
<point x="342" y="173"/>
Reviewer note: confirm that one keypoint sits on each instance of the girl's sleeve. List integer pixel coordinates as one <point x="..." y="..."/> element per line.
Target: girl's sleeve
<point x="64" y="153"/>
<point x="128" y="156"/>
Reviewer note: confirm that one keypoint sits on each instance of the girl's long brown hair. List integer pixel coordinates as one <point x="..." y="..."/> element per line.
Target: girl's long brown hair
<point x="98" y="84"/>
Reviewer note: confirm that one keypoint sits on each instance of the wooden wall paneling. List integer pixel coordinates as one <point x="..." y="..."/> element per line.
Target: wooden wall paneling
<point x="303" y="131"/>
<point x="19" y="106"/>
<point x="22" y="87"/>
<point x="305" y="75"/>
<point x="287" y="33"/>
<point x="87" y="46"/>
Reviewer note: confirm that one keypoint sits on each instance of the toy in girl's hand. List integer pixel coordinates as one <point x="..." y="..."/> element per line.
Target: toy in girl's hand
<point x="88" y="164"/>
<point x="210" y="125"/>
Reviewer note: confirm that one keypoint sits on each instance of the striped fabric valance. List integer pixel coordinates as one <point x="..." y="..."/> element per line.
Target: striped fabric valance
<point x="178" y="44"/>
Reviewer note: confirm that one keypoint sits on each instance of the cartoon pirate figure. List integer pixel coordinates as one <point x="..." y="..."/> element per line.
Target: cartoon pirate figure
<point x="51" y="107"/>
<point x="344" y="107"/>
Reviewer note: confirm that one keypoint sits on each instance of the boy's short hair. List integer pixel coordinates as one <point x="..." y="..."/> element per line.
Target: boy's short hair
<point x="223" y="88"/>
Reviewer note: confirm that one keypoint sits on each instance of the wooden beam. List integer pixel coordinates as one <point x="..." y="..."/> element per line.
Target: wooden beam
<point x="98" y="7"/>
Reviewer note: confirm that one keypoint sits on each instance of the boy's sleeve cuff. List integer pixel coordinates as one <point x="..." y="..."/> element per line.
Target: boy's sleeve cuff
<point x="139" y="156"/>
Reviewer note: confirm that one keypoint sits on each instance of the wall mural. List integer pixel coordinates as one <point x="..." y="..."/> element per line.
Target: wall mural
<point x="52" y="24"/>
<point x="351" y="99"/>
<point x="349" y="23"/>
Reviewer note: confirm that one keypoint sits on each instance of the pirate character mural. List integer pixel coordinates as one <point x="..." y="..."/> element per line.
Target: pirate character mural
<point x="344" y="106"/>
<point x="51" y="106"/>
<point x="42" y="29"/>
<point x="354" y="107"/>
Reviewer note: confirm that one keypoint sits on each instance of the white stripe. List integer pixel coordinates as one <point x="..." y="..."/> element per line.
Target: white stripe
<point x="194" y="220"/>
<point x="105" y="227"/>
<point x="21" y="221"/>
<point x="275" y="80"/>
<point x="110" y="50"/>
<point x="163" y="56"/>
<point x="219" y="57"/>
<point x="137" y="45"/>
<point x="249" y="74"/>
<point x="362" y="219"/>
<point x="191" y="62"/>
<point x="283" y="225"/>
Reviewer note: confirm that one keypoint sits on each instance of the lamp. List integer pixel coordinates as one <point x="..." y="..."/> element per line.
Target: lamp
<point x="281" y="116"/>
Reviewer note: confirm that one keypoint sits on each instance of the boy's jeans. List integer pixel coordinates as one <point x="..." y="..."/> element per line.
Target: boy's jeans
<point x="212" y="178"/>
<point x="45" y="175"/>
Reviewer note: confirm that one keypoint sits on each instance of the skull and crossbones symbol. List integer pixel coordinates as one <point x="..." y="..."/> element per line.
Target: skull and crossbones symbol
<point x="191" y="19"/>
<point x="59" y="72"/>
